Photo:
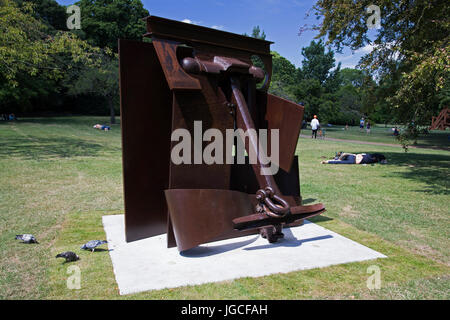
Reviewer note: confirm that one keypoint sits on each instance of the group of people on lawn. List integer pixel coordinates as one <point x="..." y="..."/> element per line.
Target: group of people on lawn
<point x="349" y="158"/>
<point x="315" y="126"/>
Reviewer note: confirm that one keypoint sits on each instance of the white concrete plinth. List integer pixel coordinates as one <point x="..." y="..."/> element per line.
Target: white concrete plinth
<point x="149" y="265"/>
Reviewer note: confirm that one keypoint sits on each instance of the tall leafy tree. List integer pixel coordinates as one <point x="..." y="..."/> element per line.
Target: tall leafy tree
<point x="411" y="49"/>
<point x="285" y="76"/>
<point x="318" y="64"/>
<point x="355" y="95"/>
<point x="103" y="80"/>
<point x="283" y="70"/>
<point x="32" y="61"/>
<point x="105" y="21"/>
<point x="257" y="33"/>
<point x="49" y="12"/>
<point x="321" y="80"/>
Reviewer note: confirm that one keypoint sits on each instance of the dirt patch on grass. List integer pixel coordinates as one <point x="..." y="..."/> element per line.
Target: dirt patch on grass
<point x="426" y="251"/>
<point x="419" y="245"/>
<point x="53" y="230"/>
<point x="348" y="211"/>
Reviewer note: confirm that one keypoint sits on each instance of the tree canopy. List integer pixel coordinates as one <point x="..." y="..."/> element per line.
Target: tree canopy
<point x="404" y="79"/>
<point x="105" y="21"/>
<point x="411" y="50"/>
<point x="32" y="60"/>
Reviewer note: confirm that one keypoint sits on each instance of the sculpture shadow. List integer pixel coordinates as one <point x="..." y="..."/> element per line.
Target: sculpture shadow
<point x="307" y="201"/>
<point x="205" y="251"/>
<point x="320" y="218"/>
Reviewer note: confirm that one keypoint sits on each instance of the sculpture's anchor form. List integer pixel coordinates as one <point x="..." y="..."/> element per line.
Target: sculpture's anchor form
<point x="190" y="73"/>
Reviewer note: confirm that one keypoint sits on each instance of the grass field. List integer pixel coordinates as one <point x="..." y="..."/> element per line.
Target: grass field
<point x="59" y="176"/>
<point x="383" y="134"/>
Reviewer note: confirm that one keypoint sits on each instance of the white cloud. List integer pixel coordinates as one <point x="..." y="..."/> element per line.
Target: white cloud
<point x="190" y="21"/>
<point x="366" y="49"/>
<point x="218" y="27"/>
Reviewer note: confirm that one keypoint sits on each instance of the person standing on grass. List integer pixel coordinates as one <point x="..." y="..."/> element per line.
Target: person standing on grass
<point x="368" y="127"/>
<point x="361" y="124"/>
<point x="314" y="127"/>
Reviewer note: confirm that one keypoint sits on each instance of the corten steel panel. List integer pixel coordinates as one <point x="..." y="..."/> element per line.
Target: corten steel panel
<point x="146" y="107"/>
<point x="171" y="29"/>
<point x="207" y="106"/>
<point x="208" y="43"/>
<point x="176" y="77"/>
<point x="243" y="179"/>
<point x="210" y="214"/>
<point x="287" y="117"/>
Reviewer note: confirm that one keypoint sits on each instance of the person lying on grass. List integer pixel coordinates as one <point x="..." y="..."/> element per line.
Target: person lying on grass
<point x="102" y="127"/>
<point x="360" y="158"/>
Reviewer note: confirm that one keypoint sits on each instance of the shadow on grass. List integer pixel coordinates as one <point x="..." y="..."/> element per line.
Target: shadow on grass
<point x="309" y="200"/>
<point x="434" y="140"/>
<point x="84" y="120"/>
<point x="319" y="219"/>
<point x="45" y="148"/>
<point x="431" y="169"/>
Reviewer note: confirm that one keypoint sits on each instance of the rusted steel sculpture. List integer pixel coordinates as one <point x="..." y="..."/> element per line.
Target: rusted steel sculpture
<point x="191" y="73"/>
<point x="442" y="121"/>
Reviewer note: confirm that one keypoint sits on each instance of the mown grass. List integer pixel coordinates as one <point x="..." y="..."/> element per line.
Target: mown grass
<point x="383" y="134"/>
<point x="48" y="168"/>
<point x="59" y="176"/>
<point x="404" y="201"/>
<point x="403" y="274"/>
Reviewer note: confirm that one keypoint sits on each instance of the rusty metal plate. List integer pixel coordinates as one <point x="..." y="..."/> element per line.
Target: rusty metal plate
<point x="286" y="116"/>
<point x="146" y="130"/>
<point x="204" y="215"/>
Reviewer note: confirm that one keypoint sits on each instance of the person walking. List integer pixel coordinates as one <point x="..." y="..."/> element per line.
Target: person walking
<point x="361" y="124"/>
<point x="314" y="127"/>
<point x="368" y="127"/>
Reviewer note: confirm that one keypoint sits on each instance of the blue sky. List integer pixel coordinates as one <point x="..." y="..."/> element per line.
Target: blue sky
<point x="280" y="20"/>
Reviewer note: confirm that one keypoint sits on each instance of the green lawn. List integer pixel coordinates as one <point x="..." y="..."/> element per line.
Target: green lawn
<point x="59" y="176"/>
<point x="383" y="134"/>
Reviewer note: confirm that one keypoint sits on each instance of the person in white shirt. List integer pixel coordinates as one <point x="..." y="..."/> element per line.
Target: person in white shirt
<point x="314" y="126"/>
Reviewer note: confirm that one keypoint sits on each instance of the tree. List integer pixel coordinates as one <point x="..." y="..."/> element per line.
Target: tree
<point x="103" y="22"/>
<point x="31" y="60"/>
<point x="257" y="33"/>
<point x="103" y="80"/>
<point x="411" y="49"/>
<point x="285" y="77"/>
<point x="353" y="77"/>
<point x="49" y="12"/>
<point x="321" y="80"/>
<point x="357" y="95"/>
<point x="318" y="64"/>
<point x="283" y="70"/>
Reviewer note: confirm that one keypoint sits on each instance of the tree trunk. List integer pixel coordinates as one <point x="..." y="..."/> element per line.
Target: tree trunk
<point x="111" y="110"/>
